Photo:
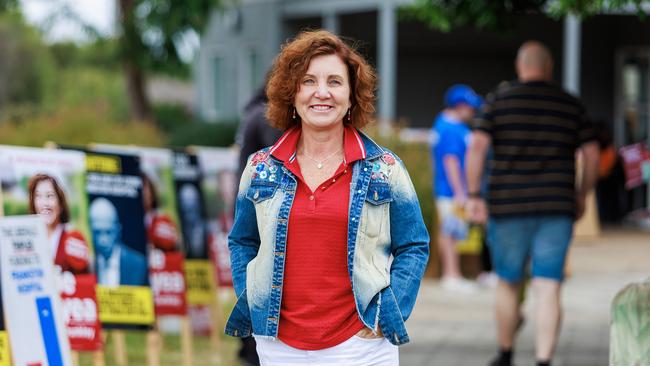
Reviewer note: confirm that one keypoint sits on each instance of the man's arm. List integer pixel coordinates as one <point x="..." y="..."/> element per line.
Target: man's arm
<point x="474" y="165"/>
<point x="454" y="176"/>
<point x="588" y="176"/>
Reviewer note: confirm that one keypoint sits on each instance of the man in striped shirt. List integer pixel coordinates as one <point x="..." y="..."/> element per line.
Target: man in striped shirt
<point x="535" y="129"/>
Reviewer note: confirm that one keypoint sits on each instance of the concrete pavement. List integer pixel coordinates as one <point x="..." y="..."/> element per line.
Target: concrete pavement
<point x="449" y="329"/>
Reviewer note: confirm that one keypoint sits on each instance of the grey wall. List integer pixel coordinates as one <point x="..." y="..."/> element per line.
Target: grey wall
<point x="258" y="30"/>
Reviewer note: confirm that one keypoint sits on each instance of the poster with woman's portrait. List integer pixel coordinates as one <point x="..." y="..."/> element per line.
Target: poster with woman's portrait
<point x="161" y="221"/>
<point x="51" y="184"/>
<point x="220" y="181"/>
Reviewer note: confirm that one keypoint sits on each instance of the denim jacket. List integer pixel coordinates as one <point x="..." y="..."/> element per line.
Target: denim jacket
<point x="388" y="243"/>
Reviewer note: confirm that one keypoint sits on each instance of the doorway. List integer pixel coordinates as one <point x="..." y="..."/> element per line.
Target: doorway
<point x="633" y="108"/>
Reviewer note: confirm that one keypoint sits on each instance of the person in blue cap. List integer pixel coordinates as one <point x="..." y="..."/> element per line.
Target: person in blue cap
<point x="449" y="139"/>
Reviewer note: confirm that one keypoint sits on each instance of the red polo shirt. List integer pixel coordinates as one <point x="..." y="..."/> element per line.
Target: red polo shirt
<point x="318" y="308"/>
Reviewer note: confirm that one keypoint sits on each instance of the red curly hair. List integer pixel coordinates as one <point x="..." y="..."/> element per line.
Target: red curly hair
<point x="292" y="64"/>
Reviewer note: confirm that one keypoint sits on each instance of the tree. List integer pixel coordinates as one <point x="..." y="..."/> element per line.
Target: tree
<point x="150" y="38"/>
<point x="6" y="5"/>
<point x="445" y="15"/>
<point x="152" y="35"/>
<point x="26" y="68"/>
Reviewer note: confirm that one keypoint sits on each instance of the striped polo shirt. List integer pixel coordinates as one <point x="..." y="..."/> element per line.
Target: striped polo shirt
<point x="536" y="128"/>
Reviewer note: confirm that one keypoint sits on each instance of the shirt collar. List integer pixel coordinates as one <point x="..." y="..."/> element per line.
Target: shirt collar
<point x="353" y="145"/>
<point x="285" y="148"/>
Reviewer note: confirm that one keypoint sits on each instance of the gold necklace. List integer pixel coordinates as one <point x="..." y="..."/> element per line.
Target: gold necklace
<point x="319" y="163"/>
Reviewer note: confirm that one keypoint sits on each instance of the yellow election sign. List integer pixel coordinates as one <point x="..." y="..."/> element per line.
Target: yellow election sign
<point x="4" y="349"/>
<point x="103" y="164"/>
<point x="200" y="281"/>
<point x="126" y="305"/>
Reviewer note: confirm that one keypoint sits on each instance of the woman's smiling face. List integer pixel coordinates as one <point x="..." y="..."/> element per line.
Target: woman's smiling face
<point x="46" y="202"/>
<point x="323" y="96"/>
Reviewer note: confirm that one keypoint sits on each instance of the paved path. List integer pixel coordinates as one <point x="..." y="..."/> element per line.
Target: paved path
<point x="458" y="330"/>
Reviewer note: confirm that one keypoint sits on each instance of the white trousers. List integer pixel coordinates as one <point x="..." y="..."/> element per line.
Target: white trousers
<point x="356" y="351"/>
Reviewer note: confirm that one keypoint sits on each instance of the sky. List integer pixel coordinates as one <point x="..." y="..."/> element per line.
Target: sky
<point x="98" y="13"/>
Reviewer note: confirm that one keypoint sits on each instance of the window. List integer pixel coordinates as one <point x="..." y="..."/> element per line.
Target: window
<point x="219" y="80"/>
<point x="254" y="69"/>
<point x="636" y="107"/>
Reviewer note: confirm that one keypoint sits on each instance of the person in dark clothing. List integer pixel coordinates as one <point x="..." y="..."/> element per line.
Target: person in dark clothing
<point x="535" y="129"/>
<point x="253" y="134"/>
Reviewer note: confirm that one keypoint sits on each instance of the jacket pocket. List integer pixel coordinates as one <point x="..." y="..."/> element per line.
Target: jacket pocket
<point x="260" y="191"/>
<point x="239" y="321"/>
<point x="376" y="208"/>
<point x="379" y="193"/>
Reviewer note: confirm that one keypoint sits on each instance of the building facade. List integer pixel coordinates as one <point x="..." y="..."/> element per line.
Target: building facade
<point x="604" y="59"/>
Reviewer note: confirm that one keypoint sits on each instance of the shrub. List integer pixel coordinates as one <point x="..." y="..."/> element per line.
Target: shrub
<point x="204" y="134"/>
<point x="79" y="126"/>
<point x="27" y="71"/>
<point x="416" y="158"/>
<point x="83" y="87"/>
<point x="171" y="116"/>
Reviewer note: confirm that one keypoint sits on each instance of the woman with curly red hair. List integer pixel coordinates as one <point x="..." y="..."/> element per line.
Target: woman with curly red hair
<point x="328" y="245"/>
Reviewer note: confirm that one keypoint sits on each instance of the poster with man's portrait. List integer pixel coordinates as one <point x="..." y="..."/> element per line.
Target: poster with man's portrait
<point x="191" y="208"/>
<point x="165" y="255"/>
<point x="51" y="184"/>
<point x="115" y="212"/>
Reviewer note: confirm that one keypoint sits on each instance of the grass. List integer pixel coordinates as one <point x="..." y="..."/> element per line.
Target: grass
<point x="204" y="353"/>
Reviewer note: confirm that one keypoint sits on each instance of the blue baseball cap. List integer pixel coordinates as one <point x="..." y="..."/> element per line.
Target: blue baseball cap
<point x="461" y="93"/>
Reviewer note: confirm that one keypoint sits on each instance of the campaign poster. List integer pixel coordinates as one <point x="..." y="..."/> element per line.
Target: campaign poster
<point x="220" y="181"/>
<point x="192" y="214"/>
<point x="36" y="329"/>
<point x="166" y="262"/>
<point x="51" y="184"/>
<point x="4" y="339"/>
<point x="636" y="164"/>
<point x="115" y="211"/>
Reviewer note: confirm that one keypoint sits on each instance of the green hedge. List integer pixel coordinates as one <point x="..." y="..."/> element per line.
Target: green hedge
<point x="417" y="159"/>
<point x="79" y="126"/>
<point x="203" y="134"/>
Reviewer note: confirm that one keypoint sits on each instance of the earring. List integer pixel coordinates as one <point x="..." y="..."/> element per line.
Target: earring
<point x="294" y="113"/>
<point x="349" y="115"/>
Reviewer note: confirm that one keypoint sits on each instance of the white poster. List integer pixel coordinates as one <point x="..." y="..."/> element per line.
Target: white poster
<point x="31" y="301"/>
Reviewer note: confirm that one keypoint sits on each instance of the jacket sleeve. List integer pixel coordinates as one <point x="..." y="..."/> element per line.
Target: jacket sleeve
<point x="409" y="241"/>
<point x="244" y="238"/>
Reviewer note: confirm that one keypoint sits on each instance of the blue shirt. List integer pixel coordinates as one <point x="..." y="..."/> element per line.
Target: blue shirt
<point x="448" y="137"/>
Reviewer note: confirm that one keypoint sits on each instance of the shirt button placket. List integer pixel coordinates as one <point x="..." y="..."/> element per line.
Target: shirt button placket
<point x="312" y="202"/>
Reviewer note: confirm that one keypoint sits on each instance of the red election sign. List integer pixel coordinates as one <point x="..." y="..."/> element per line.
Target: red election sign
<point x="80" y="311"/>
<point x="221" y="258"/>
<point x="633" y="157"/>
<point x="167" y="282"/>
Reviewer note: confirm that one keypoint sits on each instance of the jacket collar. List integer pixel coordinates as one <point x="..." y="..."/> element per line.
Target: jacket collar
<point x="373" y="150"/>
